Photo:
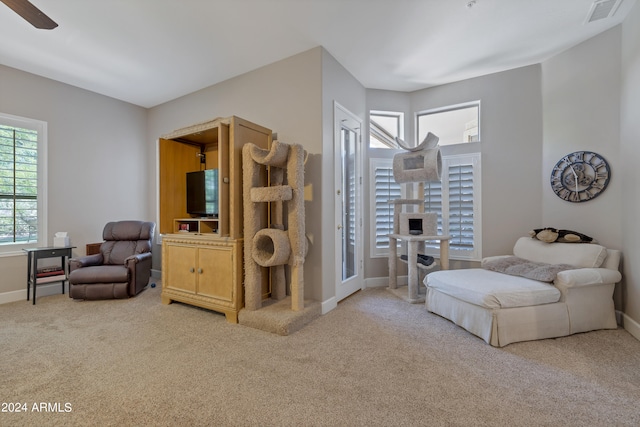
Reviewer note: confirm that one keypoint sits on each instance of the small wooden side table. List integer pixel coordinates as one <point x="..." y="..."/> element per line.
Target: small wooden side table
<point x="413" y="242"/>
<point x="34" y="254"/>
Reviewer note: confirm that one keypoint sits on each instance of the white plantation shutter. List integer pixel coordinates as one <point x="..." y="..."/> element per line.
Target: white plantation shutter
<point x="433" y="201"/>
<point x="384" y="188"/>
<point x="461" y="205"/>
<point x="461" y="212"/>
<point x="351" y="206"/>
<point x="456" y="200"/>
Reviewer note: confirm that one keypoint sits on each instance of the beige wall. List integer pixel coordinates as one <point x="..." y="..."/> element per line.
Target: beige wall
<point x="628" y="173"/>
<point x="581" y="108"/>
<point x="96" y="163"/>
<point x="581" y="92"/>
<point x="340" y="86"/>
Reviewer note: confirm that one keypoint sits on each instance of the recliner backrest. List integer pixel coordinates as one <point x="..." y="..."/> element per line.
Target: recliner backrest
<point x="123" y="239"/>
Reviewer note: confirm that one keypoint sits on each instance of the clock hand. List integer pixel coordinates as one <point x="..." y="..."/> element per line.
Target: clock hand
<point x="575" y="176"/>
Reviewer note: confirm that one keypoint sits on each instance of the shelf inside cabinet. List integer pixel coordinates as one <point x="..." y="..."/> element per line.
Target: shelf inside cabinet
<point x="196" y="225"/>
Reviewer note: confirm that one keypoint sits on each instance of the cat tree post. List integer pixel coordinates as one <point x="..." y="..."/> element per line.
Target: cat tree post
<point x="278" y="279"/>
<point x="273" y="247"/>
<point x="250" y="179"/>
<point x="295" y="175"/>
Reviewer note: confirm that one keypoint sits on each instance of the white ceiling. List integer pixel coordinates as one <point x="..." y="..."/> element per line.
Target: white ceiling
<point x="151" y="51"/>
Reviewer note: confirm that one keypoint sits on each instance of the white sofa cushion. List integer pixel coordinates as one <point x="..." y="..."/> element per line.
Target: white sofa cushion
<point x="578" y="254"/>
<point x="491" y="289"/>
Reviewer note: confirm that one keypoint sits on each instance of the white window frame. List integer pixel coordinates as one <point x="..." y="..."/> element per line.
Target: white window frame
<point x="395" y="114"/>
<point x="447" y="161"/>
<point x="447" y="109"/>
<point x="14" y="249"/>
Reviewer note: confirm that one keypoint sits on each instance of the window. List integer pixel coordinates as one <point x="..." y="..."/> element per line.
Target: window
<point x="385" y="188"/>
<point x="456" y="199"/>
<point x="384" y="127"/>
<point x="455" y="124"/>
<point x="22" y="193"/>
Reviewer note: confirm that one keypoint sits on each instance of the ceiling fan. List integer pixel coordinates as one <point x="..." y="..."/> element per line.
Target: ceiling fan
<point x="32" y="14"/>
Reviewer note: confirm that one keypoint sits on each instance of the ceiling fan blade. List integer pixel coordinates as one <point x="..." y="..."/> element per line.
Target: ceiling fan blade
<point x="32" y="14"/>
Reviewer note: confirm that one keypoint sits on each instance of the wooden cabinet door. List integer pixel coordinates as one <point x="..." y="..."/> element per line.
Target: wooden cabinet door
<point x="181" y="267"/>
<point x="215" y="273"/>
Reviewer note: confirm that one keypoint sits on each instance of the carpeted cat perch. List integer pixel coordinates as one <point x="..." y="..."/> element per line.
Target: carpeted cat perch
<point x="419" y="164"/>
<point x="272" y="244"/>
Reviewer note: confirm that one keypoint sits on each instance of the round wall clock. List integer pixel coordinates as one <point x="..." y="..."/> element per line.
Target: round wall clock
<point x="580" y="176"/>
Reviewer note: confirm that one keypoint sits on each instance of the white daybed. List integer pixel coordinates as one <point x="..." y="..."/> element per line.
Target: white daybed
<point x="504" y="308"/>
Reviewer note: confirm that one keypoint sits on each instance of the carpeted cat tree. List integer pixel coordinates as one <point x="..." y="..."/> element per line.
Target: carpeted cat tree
<point x="276" y="177"/>
<point x="419" y="164"/>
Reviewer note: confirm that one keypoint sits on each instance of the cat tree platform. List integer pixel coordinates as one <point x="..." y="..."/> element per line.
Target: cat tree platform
<point x="276" y="316"/>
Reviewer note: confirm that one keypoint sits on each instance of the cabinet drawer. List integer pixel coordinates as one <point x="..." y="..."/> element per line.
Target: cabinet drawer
<point x="50" y="253"/>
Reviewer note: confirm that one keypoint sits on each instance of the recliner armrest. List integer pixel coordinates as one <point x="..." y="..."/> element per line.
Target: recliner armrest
<point x="85" y="261"/>
<point x="586" y="277"/>
<point x="134" y="259"/>
<point x="139" y="267"/>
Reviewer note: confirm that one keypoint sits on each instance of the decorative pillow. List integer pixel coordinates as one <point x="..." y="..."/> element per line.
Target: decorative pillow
<point x="515" y="266"/>
<point x="550" y="235"/>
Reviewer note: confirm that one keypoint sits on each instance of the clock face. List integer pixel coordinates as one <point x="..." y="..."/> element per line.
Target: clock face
<point x="580" y="176"/>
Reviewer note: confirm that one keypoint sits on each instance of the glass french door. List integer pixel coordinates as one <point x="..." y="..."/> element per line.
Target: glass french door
<point x="348" y="197"/>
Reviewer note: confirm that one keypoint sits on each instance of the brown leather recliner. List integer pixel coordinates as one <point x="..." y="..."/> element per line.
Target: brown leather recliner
<point x="121" y="269"/>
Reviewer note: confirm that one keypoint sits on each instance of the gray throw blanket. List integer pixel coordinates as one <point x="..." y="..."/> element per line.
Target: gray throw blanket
<point x="515" y="266"/>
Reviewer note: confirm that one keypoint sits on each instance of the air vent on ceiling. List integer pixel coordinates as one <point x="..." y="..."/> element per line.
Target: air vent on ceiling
<point x="601" y="9"/>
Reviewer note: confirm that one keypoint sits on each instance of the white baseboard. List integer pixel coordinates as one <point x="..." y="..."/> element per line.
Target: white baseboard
<point x="631" y="326"/>
<point x="328" y="305"/>
<point x="376" y="282"/>
<point x="380" y="282"/>
<point x="42" y="291"/>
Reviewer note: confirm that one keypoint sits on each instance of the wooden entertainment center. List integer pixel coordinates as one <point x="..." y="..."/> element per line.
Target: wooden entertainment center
<point x="202" y="258"/>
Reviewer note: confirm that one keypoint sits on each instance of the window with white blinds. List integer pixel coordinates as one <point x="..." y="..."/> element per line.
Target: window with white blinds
<point x="20" y="195"/>
<point x="456" y="199"/>
<point x="384" y="188"/>
<point x="461" y="209"/>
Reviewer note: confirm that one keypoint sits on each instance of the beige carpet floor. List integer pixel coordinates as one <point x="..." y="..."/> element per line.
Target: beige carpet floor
<point x="374" y="361"/>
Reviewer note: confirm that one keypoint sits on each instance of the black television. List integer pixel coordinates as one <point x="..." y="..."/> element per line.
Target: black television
<point x="202" y="193"/>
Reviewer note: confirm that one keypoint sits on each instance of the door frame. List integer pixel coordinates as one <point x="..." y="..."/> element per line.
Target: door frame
<point x="343" y="117"/>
